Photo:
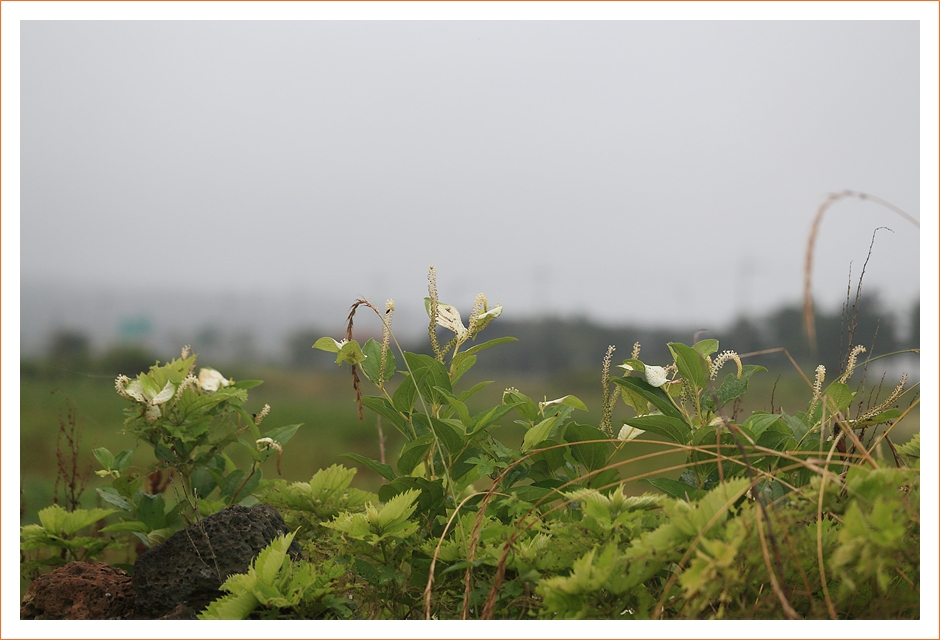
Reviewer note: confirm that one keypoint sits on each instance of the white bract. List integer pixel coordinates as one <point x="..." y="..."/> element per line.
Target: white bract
<point x="629" y="433"/>
<point x="210" y="379"/>
<point x="655" y="376"/>
<point x="147" y="396"/>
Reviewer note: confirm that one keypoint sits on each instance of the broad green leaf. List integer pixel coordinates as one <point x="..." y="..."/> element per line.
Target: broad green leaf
<point x="884" y="416"/>
<point x="405" y="395"/>
<point x="231" y="607"/>
<point x="350" y="353"/>
<point x="329" y="482"/>
<point x="706" y="347"/>
<point x="593" y="455"/>
<point x="672" y="428"/>
<point x="111" y="496"/>
<point x="282" y="434"/>
<point x="380" y="468"/>
<point x="246" y="384"/>
<point x="122" y="460"/>
<point x="759" y="421"/>
<point x="469" y="393"/>
<point x="128" y="525"/>
<point x="151" y="510"/>
<point x="484" y="419"/>
<point x="449" y="434"/>
<point x="461" y="368"/>
<point x="370" y="366"/>
<point x="654" y="395"/>
<point x="674" y="488"/>
<point x="524" y="405"/>
<point x="733" y="387"/>
<point x="384" y="408"/>
<point x="477" y="348"/>
<point x="413" y="453"/>
<point x="328" y="344"/>
<point x="537" y="433"/>
<point x="268" y="562"/>
<point x="428" y="374"/>
<point x="568" y="401"/>
<point x="459" y="408"/>
<point x="691" y="364"/>
<point x="104" y="457"/>
<point x="839" y="397"/>
<point x="396" y="511"/>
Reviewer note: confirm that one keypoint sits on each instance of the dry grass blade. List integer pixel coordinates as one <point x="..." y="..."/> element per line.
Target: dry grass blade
<point x="808" y="319"/>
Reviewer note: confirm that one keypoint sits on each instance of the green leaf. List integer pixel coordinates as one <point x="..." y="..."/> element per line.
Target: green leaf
<point x="462" y="367"/>
<point x="428" y="374"/>
<point x="568" y="401"/>
<point x="111" y="496"/>
<point x="449" y="434"/>
<point x="151" y="510"/>
<point x="733" y="387"/>
<point x="672" y="428"/>
<point x="706" y="347"/>
<point x="593" y="455"/>
<point x="104" y="457"/>
<point x="123" y="460"/>
<point x="674" y="488"/>
<point x="537" y="433"/>
<point x="373" y="353"/>
<point x="385" y="409"/>
<point x="654" y="395"/>
<point x="282" y="434"/>
<point x="382" y="469"/>
<point x="691" y="364"/>
<point x="405" y="395"/>
<point x="328" y="344"/>
<point x="395" y="513"/>
<point x="350" y="353"/>
<point x="839" y="397"/>
<point x="236" y="606"/>
<point x="269" y="561"/>
<point x="162" y="452"/>
<point x="879" y="418"/>
<point x="524" y="405"/>
<point x="246" y="384"/>
<point x="485" y="419"/>
<point x="459" y="408"/>
<point x="758" y="422"/>
<point x="413" y="452"/>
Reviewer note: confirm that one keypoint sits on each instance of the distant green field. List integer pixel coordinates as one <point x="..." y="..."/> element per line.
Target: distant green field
<point x="325" y="403"/>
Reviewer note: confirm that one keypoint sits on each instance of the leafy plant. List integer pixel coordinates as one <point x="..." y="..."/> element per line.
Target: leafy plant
<point x="279" y="586"/>
<point x="55" y="539"/>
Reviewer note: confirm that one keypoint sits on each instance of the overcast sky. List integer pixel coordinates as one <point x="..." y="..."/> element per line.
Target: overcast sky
<point x="654" y="172"/>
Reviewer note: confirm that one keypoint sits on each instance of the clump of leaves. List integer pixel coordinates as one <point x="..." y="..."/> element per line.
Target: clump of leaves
<point x="280" y="587"/>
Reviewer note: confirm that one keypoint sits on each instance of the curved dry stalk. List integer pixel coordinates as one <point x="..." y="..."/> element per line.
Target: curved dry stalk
<point x="808" y="319"/>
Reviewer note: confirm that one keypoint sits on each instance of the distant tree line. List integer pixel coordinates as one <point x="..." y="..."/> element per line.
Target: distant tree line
<point x="552" y="346"/>
<point x="556" y="345"/>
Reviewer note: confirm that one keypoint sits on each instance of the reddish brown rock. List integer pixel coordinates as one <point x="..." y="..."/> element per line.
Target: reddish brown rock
<point x="79" y="591"/>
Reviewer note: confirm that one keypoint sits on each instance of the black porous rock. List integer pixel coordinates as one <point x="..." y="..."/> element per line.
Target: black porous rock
<point x="186" y="571"/>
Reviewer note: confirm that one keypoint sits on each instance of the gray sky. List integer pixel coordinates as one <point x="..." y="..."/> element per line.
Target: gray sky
<point x="631" y="171"/>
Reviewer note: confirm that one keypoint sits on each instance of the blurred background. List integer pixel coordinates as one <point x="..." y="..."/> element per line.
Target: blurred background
<point x="236" y="185"/>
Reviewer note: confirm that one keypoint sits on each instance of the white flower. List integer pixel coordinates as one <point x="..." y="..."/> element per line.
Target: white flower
<point x="147" y="396"/>
<point x="629" y="433"/>
<point x="655" y="376"/>
<point x="211" y="380"/>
